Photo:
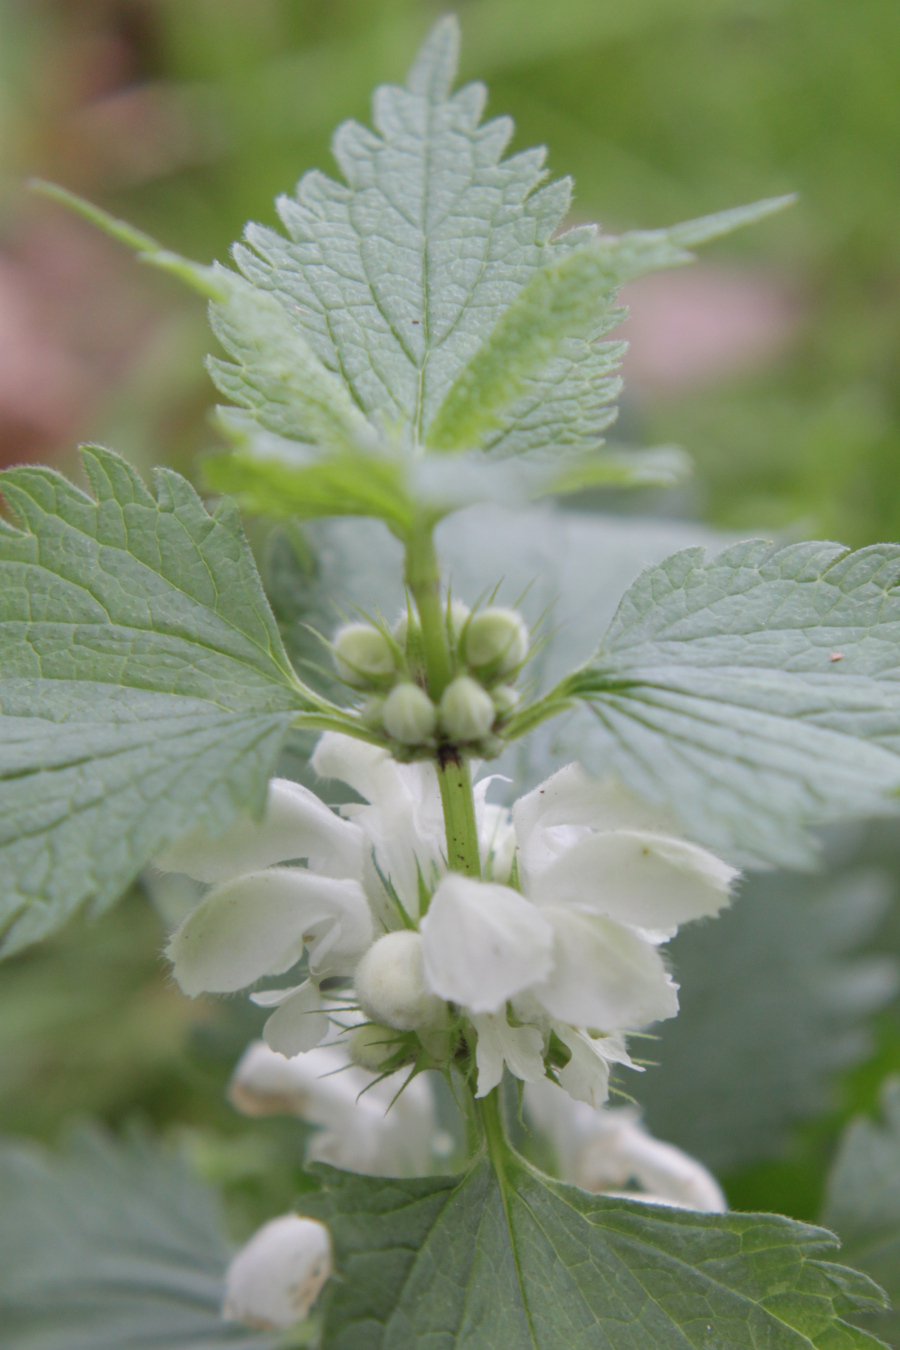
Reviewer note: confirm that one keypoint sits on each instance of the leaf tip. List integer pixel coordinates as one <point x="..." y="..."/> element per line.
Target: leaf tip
<point x="433" y="71"/>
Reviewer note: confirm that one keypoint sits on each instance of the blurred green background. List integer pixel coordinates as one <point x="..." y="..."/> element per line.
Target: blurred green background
<point x="775" y="361"/>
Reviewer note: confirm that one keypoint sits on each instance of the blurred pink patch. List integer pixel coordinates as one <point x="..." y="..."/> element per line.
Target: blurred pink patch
<point x="74" y="314"/>
<point x="702" y="324"/>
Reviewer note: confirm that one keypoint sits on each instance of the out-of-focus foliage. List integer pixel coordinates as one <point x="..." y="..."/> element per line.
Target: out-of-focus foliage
<point x="863" y="1201"/>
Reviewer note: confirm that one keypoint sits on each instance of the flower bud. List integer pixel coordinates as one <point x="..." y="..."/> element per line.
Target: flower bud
<point x="275" y="1279"/>
<point x="371" y="1045"/>
<point x="409" y="715"/>
<point x="467" y="710"/>
<point x="390" y="984"/>
<point x="362" y="654"/>
<point x="505" y="699"/>
<point x="496" y="641"/>
<point x="459" y="617"/>
<point x="372" y="711"/>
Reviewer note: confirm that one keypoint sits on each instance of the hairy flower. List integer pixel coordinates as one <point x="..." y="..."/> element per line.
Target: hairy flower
<point x="605" y="1150"/>
<point x="275" y="1279"/>
<point x="549" y="960"/>
<point x="604" y="881"/>
<point x="366" y="1123"/>
<point x="365" y="873"/>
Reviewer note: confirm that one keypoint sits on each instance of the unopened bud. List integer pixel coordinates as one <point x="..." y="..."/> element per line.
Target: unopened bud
<point x="467" y="710"/>
<point x="458" y="617"/>
<point x="362" y="654"/>
<point x="409" y="715"/>
<point x="372" y="711"/>
<point x="275" y="1279"/>
<point x="505" y="699"/>
<point x="371" y="1045"/>
<point x="390" y="984"/>
<point x="496" y="641"/>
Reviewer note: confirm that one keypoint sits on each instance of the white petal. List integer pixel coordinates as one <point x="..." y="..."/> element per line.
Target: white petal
<point x="296" y="824"/>
<point x="622" y="1150"/>
<point x="403" y="822"/>
<point x="497" y="843"/>
<point x="568" y="804"/>
<point x="354" y="762"/>
<point x="520" y="1048"/>
<point x="367" y="1126"/>
<point x="275" y="1279"/>
<point x="483" y="943"/>
<point x="604" y="975"/>
<point x="299" y="1022"/>
<point x="259" y="925"/>
<point x="586" y="1076"/>
<point x="389" y="1131"/>
<point x="642" y="879"/>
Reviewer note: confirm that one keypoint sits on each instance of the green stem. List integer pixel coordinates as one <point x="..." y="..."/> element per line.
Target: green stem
<point x="423" y="578"/>
<point x="491" y="1117"/>
<point x="459" y="814"/>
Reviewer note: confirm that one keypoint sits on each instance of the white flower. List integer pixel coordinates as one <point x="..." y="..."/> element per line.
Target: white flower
<point x="365" y="1125"/>
<point x="275" y="1279"/>
<point x="604" y="881"/>
<point x="553" y="972"/>
<point x="364" y="874"/>
<point x="604" y="1150"/>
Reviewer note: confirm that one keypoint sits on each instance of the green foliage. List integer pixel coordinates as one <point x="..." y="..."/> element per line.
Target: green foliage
<point x="863" y="1202"/>
<point x="144" y="684"/>
<point x="509" y="1259"/>
<point x="543" y="348"/>
<point x="775" y="999"/>
<point x="110" y="1246"/>
<point x="756" y="692"/>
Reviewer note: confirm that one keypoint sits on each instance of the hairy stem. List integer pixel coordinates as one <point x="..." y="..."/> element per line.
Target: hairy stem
<point x="423" y="578"/>
<point x="459" y="814"/>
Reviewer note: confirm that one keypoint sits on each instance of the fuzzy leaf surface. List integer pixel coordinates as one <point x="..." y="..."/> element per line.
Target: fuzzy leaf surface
<point x="757" y="692"/>
<point x="143" y="684"/>
<point x="863" y="1201"/>
<point x="111" y="1246"/>
<point x="526" y="1263"/>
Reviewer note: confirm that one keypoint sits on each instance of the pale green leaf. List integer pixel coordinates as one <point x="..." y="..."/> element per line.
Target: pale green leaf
<point x="756" y="692"/>
<point x="111" y="1246"/>
<point x="275" y="373"/>
<point x="570" y="298"/>
<point x="143" y="683"/>
<point x="396" y="277"/>
<point x="271" y="475"/>
<point x="863" y="1201"/>
<point x="526" y="1263"/>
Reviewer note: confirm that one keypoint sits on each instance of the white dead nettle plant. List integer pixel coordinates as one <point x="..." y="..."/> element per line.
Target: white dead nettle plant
<point x="424" y="336"/>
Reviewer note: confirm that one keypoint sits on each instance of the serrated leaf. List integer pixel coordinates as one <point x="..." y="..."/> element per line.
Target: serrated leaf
<point x="275" y="373"/>
<point x="437" y="245"/>
<point x="526" y="1263"/>
<point x="570" y="298"/>
<point x="111" y="1246"/>
<point x="775" y="997"/>
<point x="756" y="692"/>
<point x="863" y="1201"/>
<point x="143" y="684"/>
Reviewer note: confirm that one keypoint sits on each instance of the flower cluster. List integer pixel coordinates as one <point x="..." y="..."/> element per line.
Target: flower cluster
<point x="486" y="651"/>
<point x="541" y="966"/>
